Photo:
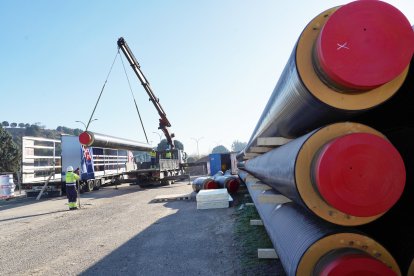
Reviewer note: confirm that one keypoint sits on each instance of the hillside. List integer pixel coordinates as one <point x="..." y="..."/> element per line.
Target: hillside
<point x="38" y="131"/>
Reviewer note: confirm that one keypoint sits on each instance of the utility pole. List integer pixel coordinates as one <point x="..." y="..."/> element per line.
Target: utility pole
<point x="197" y="140"/>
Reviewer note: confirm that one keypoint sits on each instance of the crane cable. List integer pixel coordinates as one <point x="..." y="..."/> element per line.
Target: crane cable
<point x="130" y="89"/>
<point x="103" y="87"/>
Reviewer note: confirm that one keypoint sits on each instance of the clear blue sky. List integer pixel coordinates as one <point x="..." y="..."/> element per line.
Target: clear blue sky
<point x="213" y="64"/>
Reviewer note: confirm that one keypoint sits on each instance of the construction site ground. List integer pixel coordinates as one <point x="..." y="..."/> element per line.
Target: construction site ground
<point x="124" y="232"/>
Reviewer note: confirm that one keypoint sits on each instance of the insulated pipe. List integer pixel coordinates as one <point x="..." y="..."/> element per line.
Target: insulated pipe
<point x="203" y="183"/>
<point x="230" y="182"/>
<point x="307" y="245"/>
<point x="347" y="60"/>
<point x="345" y="173"/>
<point x="395" y="228"/>
<point x="93" y="139"/>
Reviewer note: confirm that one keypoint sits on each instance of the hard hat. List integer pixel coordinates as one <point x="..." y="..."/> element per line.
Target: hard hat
<point x="69" y="169"/>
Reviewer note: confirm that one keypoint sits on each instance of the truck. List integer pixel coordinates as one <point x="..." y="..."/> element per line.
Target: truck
<point x="164" y="171"/>
<point x="45" y="160"/>
<point x="98" y="166"/>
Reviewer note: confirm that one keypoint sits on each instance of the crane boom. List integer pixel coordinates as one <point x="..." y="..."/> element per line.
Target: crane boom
<point x="164" y="123"/>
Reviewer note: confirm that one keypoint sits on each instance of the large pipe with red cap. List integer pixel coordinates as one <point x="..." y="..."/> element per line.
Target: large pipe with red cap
<point x="230" y="182"/>
<point x="308" y="245"/>
<point x="203" y="183"/>
<point x="347" y="60"/>
<point x="346" y="173"/>
<point x="93" y="139"/>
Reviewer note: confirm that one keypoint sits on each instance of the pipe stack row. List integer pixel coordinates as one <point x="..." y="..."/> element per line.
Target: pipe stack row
<point x="218" y="181"/>
<point x="345" y="168"/>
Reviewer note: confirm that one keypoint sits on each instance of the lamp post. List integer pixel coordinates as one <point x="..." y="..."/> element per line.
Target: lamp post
<point x="85" y="124"/>
<point x="197" y="140"/>
<point x="159" y="135"/>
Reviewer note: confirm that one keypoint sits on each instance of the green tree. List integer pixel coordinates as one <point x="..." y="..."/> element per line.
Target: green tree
<point x="9" y="153"/>
<point x="13" y="124"/>
<point x="5" y="123"/>
<point x="33" y="130"/>
<point x="237" y="146"/>
<point x="77" y="131"/>
<point x="163" y="145"/>
<point x="220" y="149"/>
<point x="21" y="125"/>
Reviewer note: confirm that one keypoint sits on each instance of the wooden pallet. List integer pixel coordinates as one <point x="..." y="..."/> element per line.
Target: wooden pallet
<point x="173" y="197"/>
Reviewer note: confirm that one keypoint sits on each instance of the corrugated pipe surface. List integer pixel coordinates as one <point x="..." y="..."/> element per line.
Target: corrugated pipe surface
<point x="308" y="245"/>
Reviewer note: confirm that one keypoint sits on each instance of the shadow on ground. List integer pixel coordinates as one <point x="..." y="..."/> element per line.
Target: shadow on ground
<point x="188" y="242"/>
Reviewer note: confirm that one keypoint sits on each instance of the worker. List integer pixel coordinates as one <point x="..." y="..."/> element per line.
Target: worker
<point x="153" y="155"/>
<point x="168" y="154"/>
<point x="71" y="179"/>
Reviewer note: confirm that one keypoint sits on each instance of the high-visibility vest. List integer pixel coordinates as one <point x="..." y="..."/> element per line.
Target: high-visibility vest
<point x="71" y="177"/>
<point x="153" y="154"/>
<point x="168" y="155"/>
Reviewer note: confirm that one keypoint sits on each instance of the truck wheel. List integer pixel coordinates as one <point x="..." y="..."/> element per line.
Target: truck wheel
<point x="165" y="182"/>
<point x="97" y="184"/>
<point x="89" y="185"/>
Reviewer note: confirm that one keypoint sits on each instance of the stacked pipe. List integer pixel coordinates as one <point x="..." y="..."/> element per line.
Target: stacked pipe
<point x="347" y="61"/>
<point x="308" y="245"/>
<point x="203" y="183"/>
<point x="228" y="181"/>
<point x="395" y="119"/>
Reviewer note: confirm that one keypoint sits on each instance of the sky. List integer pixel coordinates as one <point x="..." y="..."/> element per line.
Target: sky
<point x="212" y="64"/>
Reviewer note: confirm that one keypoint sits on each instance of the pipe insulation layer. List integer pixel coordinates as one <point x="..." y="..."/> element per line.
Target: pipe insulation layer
<point x="230" y="182"/>
<point x="308" y="245"/>
<point x="347" y="60"/>
<point x="203" y="183"/>
<point x="93" y="139"/>
<point x="345" y="173"/>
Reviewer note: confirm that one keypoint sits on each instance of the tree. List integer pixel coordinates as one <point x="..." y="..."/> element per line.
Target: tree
<point x="163" y="145"/>
<point x="77" y="131"/>
<point x="220" y="149"/>
<point x="21" y="125"/>
<point x="5" y="123"/>
<point x="33" y="130"/>
<point x="237" y="146"/>
<point x="27" y="125"/>
<point x="13" y="124"/>
<point x="9" y="153"/>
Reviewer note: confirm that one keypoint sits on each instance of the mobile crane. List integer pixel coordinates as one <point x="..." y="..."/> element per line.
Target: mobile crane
<point x="167" y="169"/>
<point x="164" y="122"/>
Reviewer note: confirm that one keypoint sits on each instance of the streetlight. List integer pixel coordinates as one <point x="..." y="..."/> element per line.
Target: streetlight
<point x="159" y="135"/>
<point x="86" y="128"/>
<point x="197" y="140"/>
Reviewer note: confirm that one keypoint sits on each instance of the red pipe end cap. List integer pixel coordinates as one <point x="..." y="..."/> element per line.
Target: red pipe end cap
<point x="233" y="186"/>
<point x="210" y="185"/>
<point x="365" y="44"/>
<point x="85" y="138"/>
<point x="360" y="174"/>
<point x="356" y="264"/>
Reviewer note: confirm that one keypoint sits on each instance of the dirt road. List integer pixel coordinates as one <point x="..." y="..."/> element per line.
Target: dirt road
<point x="117" y="232"/>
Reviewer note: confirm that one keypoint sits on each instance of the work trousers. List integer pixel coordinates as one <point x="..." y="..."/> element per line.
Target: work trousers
<point x="72" y="195"/>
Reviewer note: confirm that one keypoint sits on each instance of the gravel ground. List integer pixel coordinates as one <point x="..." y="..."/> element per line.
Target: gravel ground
<point x="118" y="231"/>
